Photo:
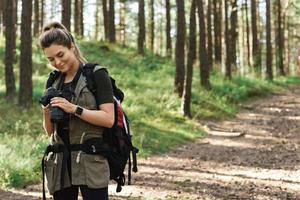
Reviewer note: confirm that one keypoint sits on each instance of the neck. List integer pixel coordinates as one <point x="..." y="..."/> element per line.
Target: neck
<point x="72" y="72"/>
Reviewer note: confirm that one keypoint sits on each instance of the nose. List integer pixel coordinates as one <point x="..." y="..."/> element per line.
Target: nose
<point x="57" y="62"/>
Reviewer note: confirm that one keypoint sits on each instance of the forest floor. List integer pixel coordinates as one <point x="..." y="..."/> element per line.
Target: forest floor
<point x="255" y="155"/>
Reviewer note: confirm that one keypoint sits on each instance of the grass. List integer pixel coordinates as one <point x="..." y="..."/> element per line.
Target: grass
<point x="153" y="108"/>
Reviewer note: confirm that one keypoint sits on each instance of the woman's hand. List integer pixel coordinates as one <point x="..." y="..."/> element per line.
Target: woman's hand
<point x="64" y="104"/>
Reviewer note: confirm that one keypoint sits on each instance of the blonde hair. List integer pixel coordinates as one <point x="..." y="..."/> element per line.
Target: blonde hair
<point x="56" y="33"/>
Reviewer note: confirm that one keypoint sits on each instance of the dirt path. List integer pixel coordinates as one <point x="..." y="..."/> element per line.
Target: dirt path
<point x="253" y="156"/>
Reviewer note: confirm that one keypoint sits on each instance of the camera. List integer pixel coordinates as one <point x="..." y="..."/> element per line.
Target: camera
<point x="56" y="114"/>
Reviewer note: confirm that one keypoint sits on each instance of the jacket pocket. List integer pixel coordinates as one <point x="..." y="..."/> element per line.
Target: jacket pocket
<point x="53" y="163"/>
<point x="96" y="171"/>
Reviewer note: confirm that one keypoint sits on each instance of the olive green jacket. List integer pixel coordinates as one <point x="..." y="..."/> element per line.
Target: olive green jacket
<point x="86" y="169"/>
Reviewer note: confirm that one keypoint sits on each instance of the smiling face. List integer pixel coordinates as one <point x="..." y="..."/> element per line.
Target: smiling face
<point x="61" y="57"/>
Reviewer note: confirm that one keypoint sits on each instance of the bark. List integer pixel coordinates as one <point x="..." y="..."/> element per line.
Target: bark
<point x="209" y="37"/>
<point x="122" y="24"/>
<point x="81" y="10"/>
<point x="187" y="92"/>
<point x="66" y="13"/>
<point x="76" y="17"/>
<point x="141" y="19"/>
<point x="97" y="23"/>
<point x="255" y="43"/>
<point x="42" y="14"/>
<point x="280" y="39"/>
<point x="168" y="29"/>
<point x="204" y="67"/>
<point x="36" y="18"/>
<point x="105" y="18"/>
<point x="10" y="38"/>
<point x="218" y="31"/>
<point x="25" y="93"/>
<point x="228" y="44"/>
<point x="111" y="21"/>
<point x="234" y="33"/>
<point x="180" y="48"/>
<point x="248" y="33"/>
<point x="268" y="40"/>
<point x="151" y="24"/>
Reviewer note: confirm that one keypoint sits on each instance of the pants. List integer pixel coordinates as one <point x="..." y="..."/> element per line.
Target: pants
<point x="71" y="193"/>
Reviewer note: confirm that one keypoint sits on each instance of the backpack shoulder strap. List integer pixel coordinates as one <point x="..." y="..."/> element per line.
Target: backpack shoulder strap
<point x="52" y="77"/>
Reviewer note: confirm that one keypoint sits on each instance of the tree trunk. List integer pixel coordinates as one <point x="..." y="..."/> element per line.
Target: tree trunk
<point x="105" y="18"/>
<point x="10" y="38"/>
<point x="268" y="40"/>
<point x="81" y="11"/>
<point x="255" y="43"/>
<point x="42" y="15"/>
<point x="218" y="31"/>
<point x="204" y="67"/>
<point x="97" y="26"/>
<point x="111" y="21"/>
<point x="76" y="17"/>
<point x="141" y="18"/>
<point x="66" y="13"/>
<point x="168" y="30"/>
<point x="151" y="25"/>
<point x="234" y="33"/>
<point x="180" y="48"/>
<point x="248" y="33"/>
<point x="187" y="92"/>
<point x="209" y="37"/>
<point x="228" y="44"/>
<point x="122" y="23"/>
<point x="1" y="14"/>
<point x="25" y="93"/>
<point x="280" y="39"/>
<point x="36" y="18"/>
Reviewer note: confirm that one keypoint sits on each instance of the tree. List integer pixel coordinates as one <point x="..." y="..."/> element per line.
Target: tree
<point x="122" y="22"/>
<point x="81" y="10"/>
<point x="180" y="48"/>
<point x="280" y="39"/>
<point x="10" y="37"/>
<point x="76" y="17"/>
<point x="168" y="29"/>
<point x="209" y="36"/>
<point x="217" y="8"/>
<point x="105" y="18"/>
<point x="228" y="44"/>
<point x="142" y="32"/>
<point x="247" y="33"/>
<point x="187" y="92"/>
<point x="111" y="21"/>
<point x="204" y="65"/>
<point x="1" y="13"/>
<point x="151" y="24"/>
<point x="97" y="23"/>
<point x="233" y="32"/>
<point x="66" y="13"/>
<point x="25" y="93"/>
<point x="36" y="18"/>
<point x="255" y="43"/>
<point x="268" y="40"/>
<point x="42" y="14"/>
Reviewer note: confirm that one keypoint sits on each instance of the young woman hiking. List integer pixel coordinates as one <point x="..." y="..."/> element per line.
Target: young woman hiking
<point x="74" y="116"/>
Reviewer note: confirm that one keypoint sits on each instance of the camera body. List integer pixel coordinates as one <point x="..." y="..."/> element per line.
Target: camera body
<point x="56" y="114"/>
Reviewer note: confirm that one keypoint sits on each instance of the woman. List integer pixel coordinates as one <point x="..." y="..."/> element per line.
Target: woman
<point x="86" y="116"/>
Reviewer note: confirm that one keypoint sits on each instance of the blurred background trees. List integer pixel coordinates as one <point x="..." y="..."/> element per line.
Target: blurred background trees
<point x="245" y="37"/>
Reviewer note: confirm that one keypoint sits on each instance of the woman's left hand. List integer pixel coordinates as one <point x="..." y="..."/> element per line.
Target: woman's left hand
<point x="64" y="104"/>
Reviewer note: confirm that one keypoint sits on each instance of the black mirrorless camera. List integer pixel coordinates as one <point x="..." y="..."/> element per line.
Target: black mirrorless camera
<point x="56" y="114"/>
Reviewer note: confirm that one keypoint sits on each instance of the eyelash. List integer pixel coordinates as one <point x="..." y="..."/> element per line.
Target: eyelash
<point x="60" y="56"/>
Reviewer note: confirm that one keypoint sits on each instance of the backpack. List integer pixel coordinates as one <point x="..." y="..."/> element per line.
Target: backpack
<point x="117" y="139"/>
